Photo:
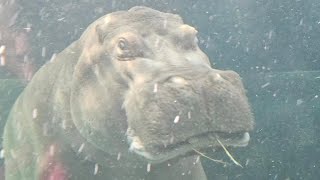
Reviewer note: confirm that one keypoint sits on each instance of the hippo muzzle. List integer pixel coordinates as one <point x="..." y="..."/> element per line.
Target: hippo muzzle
<point x="187" y="111"/>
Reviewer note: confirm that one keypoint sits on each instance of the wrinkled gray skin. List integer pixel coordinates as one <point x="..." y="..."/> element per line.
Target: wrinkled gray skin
<point x="130" y="100"/>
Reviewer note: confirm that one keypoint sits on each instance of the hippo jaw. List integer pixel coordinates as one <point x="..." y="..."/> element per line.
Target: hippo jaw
<point x="192" y="144"/>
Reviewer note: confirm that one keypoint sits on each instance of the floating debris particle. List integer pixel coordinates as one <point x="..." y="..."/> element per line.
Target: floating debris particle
<point x="148" y="167"/>
<point x="64" y="124"/>
<point x="2" y="154"/>
<point x="43" y="51"/>
<point x="176" y="119"/>
<point x="229" y="39"/>
<point x="299" y="102"/>
<point x="265" y="85"/>
<point x="171" y="139"/>
<point x="270" y="34"/>
<point x="45" y="129"/>
<point x="247" y="162"/>
<point x="189" y="115"/>
<point x="155" y="88"/>
<point x="2" y="55"/>
<point x="28" y="28"/>
<point x="96" y="169"/>
<point x="35" y="113"/>
<point x="198" y="159"/>
<point x="61" y="19"/>
<point x="119" y="156"/>
<point x="169" y="164"/>
<point x="301" y="22"/>
<point x="52" y="150"/>
<point x="2" y="49"/>
<point x="81" y="148"/>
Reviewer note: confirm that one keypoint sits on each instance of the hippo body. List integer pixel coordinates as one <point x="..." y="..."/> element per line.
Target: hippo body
<point x="131" y="99"/>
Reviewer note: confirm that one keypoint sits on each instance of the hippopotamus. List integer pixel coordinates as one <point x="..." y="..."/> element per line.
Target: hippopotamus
<point x="133" y="98"/>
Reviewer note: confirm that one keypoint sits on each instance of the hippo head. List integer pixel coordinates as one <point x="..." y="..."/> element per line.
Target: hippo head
<point x="142" y="77"/>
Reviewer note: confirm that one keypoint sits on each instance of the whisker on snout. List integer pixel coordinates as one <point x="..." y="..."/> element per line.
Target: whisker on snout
<point x="228" y="154"/>
<point x="219" y="161"/>
<point x="214" y="160"/>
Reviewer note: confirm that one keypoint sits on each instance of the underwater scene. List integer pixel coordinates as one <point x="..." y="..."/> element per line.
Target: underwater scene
<point x="159" y="90"/>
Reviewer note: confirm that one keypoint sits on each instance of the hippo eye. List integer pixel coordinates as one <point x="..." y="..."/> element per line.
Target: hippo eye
<point x="123" y="44"/>
<point x="129" y="47"/>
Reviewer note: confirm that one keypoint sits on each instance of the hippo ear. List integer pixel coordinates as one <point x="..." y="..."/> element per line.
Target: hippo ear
<point x="100" y="33"/>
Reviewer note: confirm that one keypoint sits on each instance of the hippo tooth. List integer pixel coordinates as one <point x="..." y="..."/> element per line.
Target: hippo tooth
<point x="136" y="144"/>
<point x="246" y="137"/>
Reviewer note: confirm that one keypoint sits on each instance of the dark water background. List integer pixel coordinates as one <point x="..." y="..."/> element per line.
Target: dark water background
<point x="273" y="44"/>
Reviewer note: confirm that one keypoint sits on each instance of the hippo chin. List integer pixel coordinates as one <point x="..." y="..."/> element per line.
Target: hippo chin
<point x="133" y="98"/>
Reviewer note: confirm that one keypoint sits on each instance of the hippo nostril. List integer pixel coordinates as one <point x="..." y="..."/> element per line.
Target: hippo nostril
<point x="216" y="77"/>
<point x="178" y="80"/>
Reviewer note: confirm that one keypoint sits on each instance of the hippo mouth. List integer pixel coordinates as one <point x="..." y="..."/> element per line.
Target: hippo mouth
<point x="161" y="153"/>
